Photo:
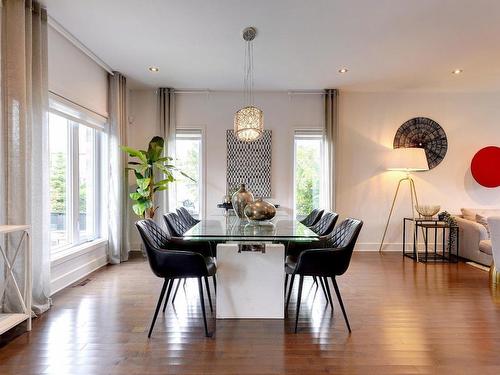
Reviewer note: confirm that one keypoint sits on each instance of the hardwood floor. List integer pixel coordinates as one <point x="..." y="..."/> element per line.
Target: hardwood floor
<point x="406" y="318"/>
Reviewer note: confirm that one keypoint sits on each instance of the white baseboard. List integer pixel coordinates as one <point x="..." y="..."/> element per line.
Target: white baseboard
<point x="64" y="273"/>
<point x="135" y="247"/>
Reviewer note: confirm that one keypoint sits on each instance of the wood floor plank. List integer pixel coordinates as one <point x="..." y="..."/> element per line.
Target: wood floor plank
<point x="406" y="318"/>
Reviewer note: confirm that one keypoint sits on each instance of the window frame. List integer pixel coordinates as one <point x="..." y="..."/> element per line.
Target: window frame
<point x="305" y="134"/>
<point x="77" y="117"/>
<point x="196" y="132"/>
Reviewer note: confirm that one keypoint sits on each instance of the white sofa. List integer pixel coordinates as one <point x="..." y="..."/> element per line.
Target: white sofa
<point x="475" y="242"/>
<point x="494" y="225"/>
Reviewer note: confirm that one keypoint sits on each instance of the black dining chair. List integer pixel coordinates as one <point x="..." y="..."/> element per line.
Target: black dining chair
<point x="172" y="264"/>
<point x="312" y="218"/>
<point x="328" y="262"/>
<point x="325" y="224"/>
<point x="322" y="228"/>
<point x="175" y="225"/>
<point x="187" y="217"/>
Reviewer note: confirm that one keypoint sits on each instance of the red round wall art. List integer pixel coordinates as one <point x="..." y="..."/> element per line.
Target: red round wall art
<point x="485" y="167"/>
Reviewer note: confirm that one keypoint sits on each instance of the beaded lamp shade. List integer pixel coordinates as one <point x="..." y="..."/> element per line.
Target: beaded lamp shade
<point x="249" y="124"/>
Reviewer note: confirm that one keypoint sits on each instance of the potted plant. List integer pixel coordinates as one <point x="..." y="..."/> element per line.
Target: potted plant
<point x="153" y="172"/>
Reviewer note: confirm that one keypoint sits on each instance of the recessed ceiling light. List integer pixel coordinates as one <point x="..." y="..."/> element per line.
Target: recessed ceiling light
<point x="154" y="69"/>
<point x="457" y="71"/>
<point x="343" y="70"/>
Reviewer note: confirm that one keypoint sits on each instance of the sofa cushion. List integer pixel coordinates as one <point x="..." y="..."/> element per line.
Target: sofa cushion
<point x="480" y="219"/>
<point x="470" y="213"/>
<point x="485" y="247"/>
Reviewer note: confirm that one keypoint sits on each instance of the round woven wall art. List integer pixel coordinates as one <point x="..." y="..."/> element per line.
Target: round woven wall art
<point x="424" y="133"/>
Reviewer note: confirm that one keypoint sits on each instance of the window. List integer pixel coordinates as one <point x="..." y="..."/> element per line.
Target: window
<point x="74" y="181"/>
<point x="188" y="158"/>
<point x="309" y="179"/>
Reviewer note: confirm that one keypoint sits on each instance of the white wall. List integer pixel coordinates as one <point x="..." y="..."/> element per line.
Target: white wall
<point x="368" y="122"/>
<point x="214" y="113"/>
<point x="75" y="76"/>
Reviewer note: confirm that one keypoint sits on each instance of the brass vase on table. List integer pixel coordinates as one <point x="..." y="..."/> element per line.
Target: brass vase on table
<point x="260" y="210"/>
<point x="240" y="200"/>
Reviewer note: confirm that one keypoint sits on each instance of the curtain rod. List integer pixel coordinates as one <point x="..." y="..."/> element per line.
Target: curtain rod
<point x="181" y="91"/>
<point x="82" y="47"/>
<point x="306" y="92"/>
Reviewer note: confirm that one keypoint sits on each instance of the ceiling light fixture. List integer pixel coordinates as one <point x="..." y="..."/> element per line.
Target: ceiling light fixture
<point x="154" y="69"/>
<point x="249" y="120"/>
<point x="457" y="71"/>
<point x="343" y="70"/>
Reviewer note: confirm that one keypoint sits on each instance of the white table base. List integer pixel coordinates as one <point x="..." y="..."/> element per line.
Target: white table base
<point x="250" y="284"/>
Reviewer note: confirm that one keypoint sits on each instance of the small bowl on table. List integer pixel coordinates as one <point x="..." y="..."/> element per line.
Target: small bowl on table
<point x="427" y="211"/>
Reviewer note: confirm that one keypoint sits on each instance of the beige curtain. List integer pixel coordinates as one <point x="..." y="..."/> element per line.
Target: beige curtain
<point x="24" y="141"/>
<point x="166" y="115"/>
<point x="331" y="139"/>
<point x="118" y="202"/>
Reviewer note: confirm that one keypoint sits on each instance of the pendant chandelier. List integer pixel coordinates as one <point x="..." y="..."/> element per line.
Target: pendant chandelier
<point x="249" y="120"/>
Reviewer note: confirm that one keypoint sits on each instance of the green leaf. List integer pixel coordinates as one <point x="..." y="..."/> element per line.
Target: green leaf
<point x="141" y="206"/>
<point x="135" y="196"/>
<point x="143" y="193"/>
<point x="135" y="153"/>
<point x="166" y="158"/>
<point x="160" y="188"/>
<point x="163" y="182"/>
<point x="185" y="175"/>
<point x="155" y="149"/>
<point x="143" y="183"/>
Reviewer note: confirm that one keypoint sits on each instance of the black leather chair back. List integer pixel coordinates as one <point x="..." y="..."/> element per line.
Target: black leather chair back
<point x="176" y="226"/>
<point x="156" y="236"/>
<point x="169" y="263"/>
<point x="186" y="217"/>
<point x="335" y="259"/>
<point x="312" y="218"/>
<point x="326" y="224"/>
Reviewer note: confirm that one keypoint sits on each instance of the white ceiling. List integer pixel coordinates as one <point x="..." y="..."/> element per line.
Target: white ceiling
<point x="386" y="44"/>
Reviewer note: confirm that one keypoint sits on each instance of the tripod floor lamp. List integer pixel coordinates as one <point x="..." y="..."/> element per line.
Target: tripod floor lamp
<point x="407" y="160"/>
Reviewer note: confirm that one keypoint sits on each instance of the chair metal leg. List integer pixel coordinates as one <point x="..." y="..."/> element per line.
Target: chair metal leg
<point x="337" y="291"/>
<point x="158" y="305"/>
<point x="168" y="294"/>
<point x="176" y="289"/>
<point x="286" y="282"/>
<point x="324" y="290"/>
<point x="289" y="294"/>
<point x="215" y="284"/>
<point x="301" y="280"/>
<point x="325" y="280"/>
<point x="208" y="294"/>
<point x="202" y="302"/>
<point x="315" y="280"/>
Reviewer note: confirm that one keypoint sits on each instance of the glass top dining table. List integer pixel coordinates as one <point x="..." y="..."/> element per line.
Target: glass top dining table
<point x="231" y="228"/>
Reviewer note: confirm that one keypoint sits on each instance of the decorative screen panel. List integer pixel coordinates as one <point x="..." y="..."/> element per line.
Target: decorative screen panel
<point x="249" y="163"/>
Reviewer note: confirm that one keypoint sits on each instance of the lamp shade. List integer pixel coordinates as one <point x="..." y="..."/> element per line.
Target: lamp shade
<point x="249" y="124"/>
<point x="407" y="159"/>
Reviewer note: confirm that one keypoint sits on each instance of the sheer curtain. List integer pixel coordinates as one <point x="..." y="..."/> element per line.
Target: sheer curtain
<point x="24" y="140"/>
<point x="118" y="201"/>
<point x="166" y="113"/>
<point x="331" y="139"/>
